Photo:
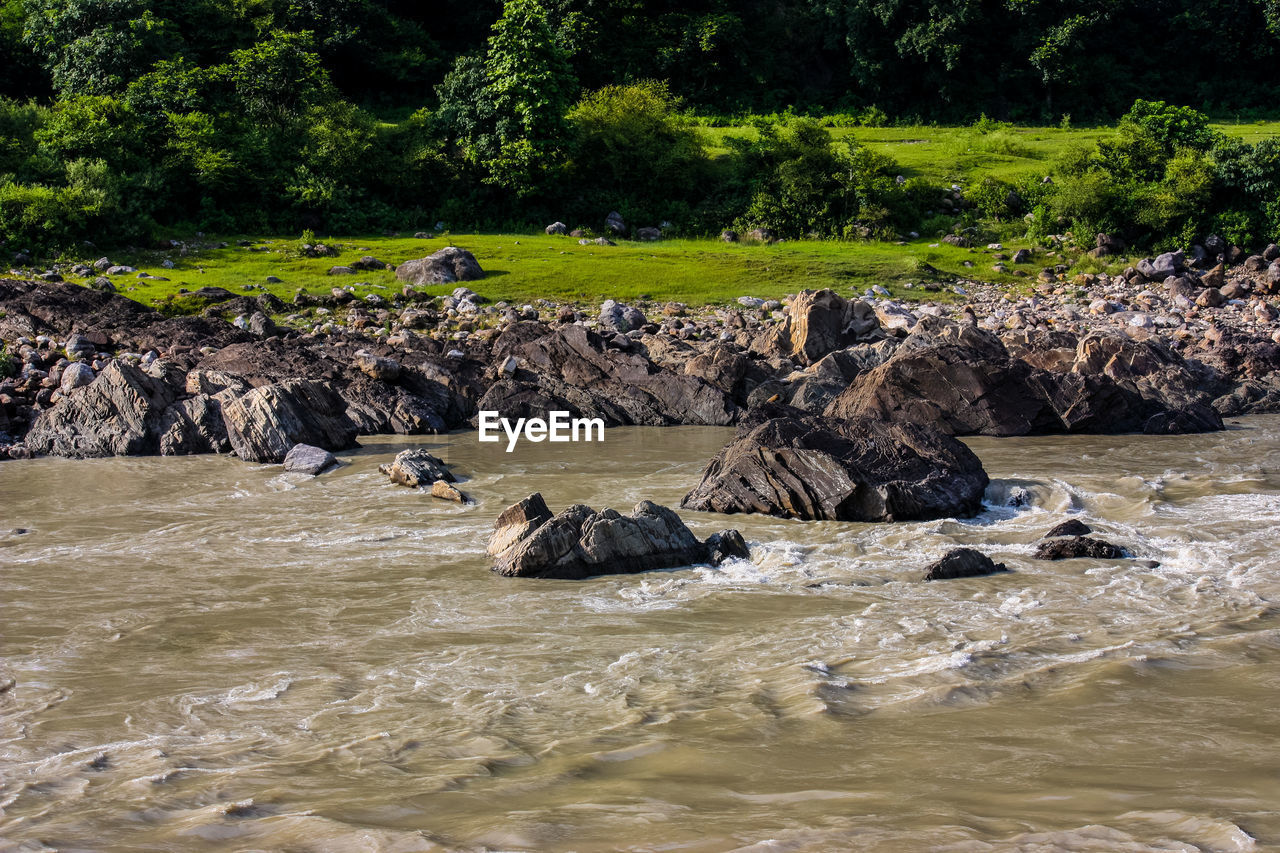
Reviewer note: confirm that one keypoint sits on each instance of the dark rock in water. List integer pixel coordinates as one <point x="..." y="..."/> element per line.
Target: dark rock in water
<point x="416" y="467"/>
<point x="265" y="424"/>
<point x="963" y="563"/>
<point x="1074" y="527"/>
<point x="308" y="459"/>
<point x="1078" y="546"/>
<point x="528" y="541"/>
<point x="726" y="544"/>
<point x="1195" y="418"/>
<point x="118" y="414"/>
<point x="446" y="266"/>
<point x="785" y="463"/>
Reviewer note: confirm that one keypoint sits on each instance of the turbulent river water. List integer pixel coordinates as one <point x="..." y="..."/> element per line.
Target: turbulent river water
<point x="208" y="655"/>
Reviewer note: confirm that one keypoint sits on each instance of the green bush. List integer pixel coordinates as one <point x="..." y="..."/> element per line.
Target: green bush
<point x="633" y="150"/>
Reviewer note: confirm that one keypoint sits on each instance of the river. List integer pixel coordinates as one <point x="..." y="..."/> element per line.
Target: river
<point x="208" y="655"/>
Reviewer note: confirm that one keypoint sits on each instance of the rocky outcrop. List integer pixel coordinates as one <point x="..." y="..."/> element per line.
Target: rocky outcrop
<point x="264" y="424"/>
<point x="965" y="381"/>
<point x="195" y="426"/>
<point x="1194" y="418"/>
<point x="417" y="468"/>
<point x="447" y="266"/>
<point x="529" y="541"/>
<point x="571" y="369"/>
<point x="121" y="413"/>
<point x="785" y="463"/>
<point x="963" y="563"/>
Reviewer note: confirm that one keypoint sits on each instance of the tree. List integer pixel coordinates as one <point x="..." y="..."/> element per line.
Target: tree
<point x="530" y="86"/>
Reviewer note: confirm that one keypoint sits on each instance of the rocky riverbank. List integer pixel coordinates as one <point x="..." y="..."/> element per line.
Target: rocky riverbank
<point x="1171" y="346"/>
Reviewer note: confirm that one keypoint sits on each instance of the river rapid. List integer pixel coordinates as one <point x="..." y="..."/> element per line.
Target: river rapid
<point x="209" y="655"/>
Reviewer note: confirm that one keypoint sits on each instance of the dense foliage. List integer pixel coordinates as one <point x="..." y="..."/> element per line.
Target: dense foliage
<point x="120" y="119"/>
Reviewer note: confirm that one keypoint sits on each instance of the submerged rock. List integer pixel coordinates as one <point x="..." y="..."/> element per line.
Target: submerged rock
<point x="1074" y="527"/>
<point x="788" y="464"/>
<point x="1079" y="546"/>
<point x="963" y="563"/>
<point x="415" y="468"/>
<point x="529" y="541"/>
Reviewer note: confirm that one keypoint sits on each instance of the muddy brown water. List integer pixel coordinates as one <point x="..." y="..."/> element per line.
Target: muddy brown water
<point x="209" y="655"/>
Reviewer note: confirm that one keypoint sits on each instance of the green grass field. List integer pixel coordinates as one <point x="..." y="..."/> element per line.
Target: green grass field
<point x="521" y="268"/>
<point x="958" y="154"/>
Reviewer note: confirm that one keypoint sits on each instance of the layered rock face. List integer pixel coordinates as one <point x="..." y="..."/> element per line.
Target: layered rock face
<point x="785" y="463"/>
<point x="530" y="541"/>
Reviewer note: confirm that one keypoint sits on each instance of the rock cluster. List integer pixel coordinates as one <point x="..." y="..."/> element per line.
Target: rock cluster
<point x="529" y="540"/>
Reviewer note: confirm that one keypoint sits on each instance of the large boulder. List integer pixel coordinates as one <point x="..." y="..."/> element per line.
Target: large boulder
<point x="529" y="541"/>
<point x="307" y="459"/>
<point x="821" y="321"/>
<point x="120" y="413"/>
<point x="785" y="463"/>
<point x="265" y="424"/>
<point x="446" y="266"/>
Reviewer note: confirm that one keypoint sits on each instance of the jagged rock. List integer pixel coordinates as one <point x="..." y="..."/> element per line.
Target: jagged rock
<point x="615" y="223"/>
<point x="821" y="321"/>
<point x="1078" y="546"/>
<point x="448" y="492"/>
<point x="1074" y="527"/>
<point x="785" y="463"/>
<point x="194" y="426"/>
<point x="528" y="541"/>
<point x="446" y="266"/>
<point x="726" y="544"/>
<point x="308" y="459"/>
<point x="415" y="468"/>
<point x="118" y="414"/>
<point x="264" y="424"/>
<point x="571" y="369"/>
<point x="963" y="563"/>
